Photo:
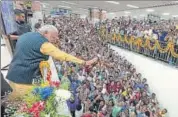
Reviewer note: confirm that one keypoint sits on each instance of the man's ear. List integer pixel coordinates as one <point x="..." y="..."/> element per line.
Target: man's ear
<point x="46" y="32"/>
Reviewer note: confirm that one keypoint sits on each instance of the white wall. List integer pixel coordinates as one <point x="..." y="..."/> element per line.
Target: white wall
<point x="162" y="78"/>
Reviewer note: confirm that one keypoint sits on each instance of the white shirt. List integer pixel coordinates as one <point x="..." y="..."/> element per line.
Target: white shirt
<point x="81" y="77"/>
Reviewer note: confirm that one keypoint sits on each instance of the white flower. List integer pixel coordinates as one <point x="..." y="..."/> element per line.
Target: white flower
<point x="64" y="94"/>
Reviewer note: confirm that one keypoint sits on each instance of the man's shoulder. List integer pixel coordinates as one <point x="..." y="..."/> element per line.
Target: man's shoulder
<point x="31" y="36"/>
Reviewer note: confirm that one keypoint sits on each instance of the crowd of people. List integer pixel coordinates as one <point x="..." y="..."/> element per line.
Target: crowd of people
<point x="163" y="30"/>
<point x="110" y="88"/>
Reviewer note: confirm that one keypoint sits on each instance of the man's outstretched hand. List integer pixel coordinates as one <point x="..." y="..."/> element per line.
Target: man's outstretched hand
<point x="92" y="61"/>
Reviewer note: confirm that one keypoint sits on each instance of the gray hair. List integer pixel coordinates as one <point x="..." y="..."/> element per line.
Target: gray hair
<point x="48" y="28"/>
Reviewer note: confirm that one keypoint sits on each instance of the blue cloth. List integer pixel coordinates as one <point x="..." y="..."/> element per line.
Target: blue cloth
<point x="92" y="86"/>
<point x="124" y="108"/>
<point x="140" y="115"/>
<point x="73" y="106"/>
<point x="74" y="84"/>
<point x="24" y="66"/>
<point x="155" y="32"/>
<point x="162" y="37"/>
<point x="141" y="86"/>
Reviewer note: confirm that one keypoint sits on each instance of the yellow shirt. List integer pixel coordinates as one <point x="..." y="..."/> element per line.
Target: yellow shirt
<point x="49" y="49"/>
<point x="176" y="26"/>
<point x="124" y="93"/>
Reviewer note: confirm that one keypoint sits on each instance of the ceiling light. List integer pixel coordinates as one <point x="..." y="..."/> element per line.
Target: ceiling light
<point x="149" y="10"/>
<point x="113" y="2"/>
<point x="166" y="13"/>
<point x="132" y="6"/>
<point x="174" y="15"/>
<point x="64" y="6"/>
<point x="92" y="7"/>
<point x="135" y="16"/>
<point x="111" y="13"/>
<point x="127" y="12"/>
<point x="45" y="4"/>
<point x="68" y="2"/>
<point x="142" y="15"/>
<point x="126" y="15"/>
<point x="83" y="9"/>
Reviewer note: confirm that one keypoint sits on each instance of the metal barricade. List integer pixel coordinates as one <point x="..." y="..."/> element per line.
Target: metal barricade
<point x="154" y="53"/>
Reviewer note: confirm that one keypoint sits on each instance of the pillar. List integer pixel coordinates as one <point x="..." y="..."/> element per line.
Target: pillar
<point x="100" y="14"/>
<point x="90" y="10"/>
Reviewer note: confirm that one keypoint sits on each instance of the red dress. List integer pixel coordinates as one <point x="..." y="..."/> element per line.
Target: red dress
<point x="111" y="88"/>
<point x="87" y="115"/>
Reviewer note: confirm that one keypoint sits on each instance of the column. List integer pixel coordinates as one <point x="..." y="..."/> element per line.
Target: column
<point x="100" y="15"/>
<point x="90" y="10"/>
<point x="37" y="13"/>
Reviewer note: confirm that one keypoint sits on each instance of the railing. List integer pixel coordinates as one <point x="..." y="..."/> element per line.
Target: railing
<point x="164" y="51"/>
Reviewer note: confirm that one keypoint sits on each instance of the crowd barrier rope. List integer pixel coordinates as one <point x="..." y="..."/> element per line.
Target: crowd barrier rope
<point x="165" y="51"/>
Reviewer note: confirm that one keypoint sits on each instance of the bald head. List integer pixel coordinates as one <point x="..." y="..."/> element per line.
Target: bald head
<point x="50" y="32"/>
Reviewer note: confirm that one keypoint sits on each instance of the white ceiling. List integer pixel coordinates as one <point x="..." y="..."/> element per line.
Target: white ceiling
<point x="81" y="7"/>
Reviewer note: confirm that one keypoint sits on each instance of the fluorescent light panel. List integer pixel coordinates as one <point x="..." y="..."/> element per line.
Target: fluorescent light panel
<point x="64" y="6"/>
<point x="132" y="6"/>
<point x="92" y="7"/>
<point x="150" y="10"/>
<point x="142" y="15"/>
<point x="83" y="9"/>
<point x="127" y="12"/>
<point x="174" y="15"/>
<point x="68" y="2"/>
<point x="113" y="2"/>
<point x="45" y="3"/>
<point x="165" y="13"/>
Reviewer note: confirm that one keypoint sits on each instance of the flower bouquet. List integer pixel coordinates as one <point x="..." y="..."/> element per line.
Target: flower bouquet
<point x="46" y="99"/>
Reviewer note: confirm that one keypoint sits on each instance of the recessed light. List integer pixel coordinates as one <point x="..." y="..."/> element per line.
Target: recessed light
<point x="127" y="12"/>
<point x="113" y="2"/>
<point x="174" y="15"/>
<point x="83" y="9"/>
<point x="132" y="6"/>
<point x="150" y="10"/>
<point x="68" y="2"/>
<point x="64" y="6"/>
<point x="45" y="3"/>
<point x="166" y="14"/>
<point x="111" y="13"/>
<point x="92" y="7"/>
<point x="142" y="15"/>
